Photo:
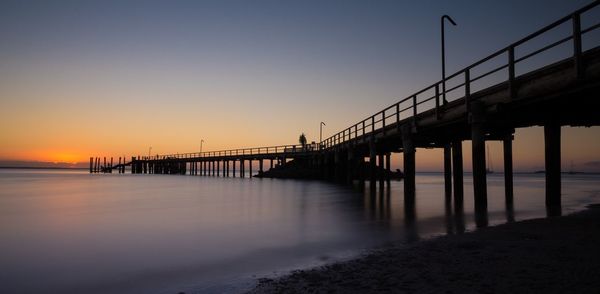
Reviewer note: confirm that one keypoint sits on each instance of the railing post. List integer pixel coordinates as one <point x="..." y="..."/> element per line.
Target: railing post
<point x="511" y="72"/>
<point x="363" y="127"/>
<point x="398" y="116"/>
<point x="414" y="99"/>
<point x="577" y="45"/>
<point x="437" y="101"/>
<point x="383" y="122"/>
<point x="467" y="90"/>
<point x="372" y="125"/>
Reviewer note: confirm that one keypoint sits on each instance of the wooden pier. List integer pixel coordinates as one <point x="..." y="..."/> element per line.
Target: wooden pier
<point x="563" y="93"/>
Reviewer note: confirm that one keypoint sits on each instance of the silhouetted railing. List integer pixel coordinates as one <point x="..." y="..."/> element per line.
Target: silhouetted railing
<point x="407" y="107"/>
<point x="271" y="150"/>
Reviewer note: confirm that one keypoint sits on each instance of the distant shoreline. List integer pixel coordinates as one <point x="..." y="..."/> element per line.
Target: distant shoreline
<point x="42" y="167"/>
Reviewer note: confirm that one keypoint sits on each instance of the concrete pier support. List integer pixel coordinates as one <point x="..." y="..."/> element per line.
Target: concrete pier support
<point x="218" y="168"/>
<point x="448" y="171"/>
<point x="552" y="159"/>
<point x="478" y="161"/>
<point x="233" y="168"/>
<point x="457" y="173"/>
<point x="408" y="150"/>
<point x="508" y="170"/>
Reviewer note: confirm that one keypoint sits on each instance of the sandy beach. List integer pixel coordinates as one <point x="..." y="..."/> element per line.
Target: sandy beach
<point x="551" y="255"/>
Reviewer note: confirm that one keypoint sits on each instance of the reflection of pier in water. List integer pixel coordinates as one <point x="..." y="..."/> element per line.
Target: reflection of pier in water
<point x="562" y="93"/>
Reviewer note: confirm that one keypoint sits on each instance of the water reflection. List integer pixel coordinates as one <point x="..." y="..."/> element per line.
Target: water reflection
<point x="86" y="231"/>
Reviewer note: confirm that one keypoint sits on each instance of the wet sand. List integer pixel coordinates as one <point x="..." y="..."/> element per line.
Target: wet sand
<point x="552" y="255"/>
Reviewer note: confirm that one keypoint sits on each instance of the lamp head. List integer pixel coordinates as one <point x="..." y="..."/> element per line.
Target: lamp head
<point x="448" y="18"/>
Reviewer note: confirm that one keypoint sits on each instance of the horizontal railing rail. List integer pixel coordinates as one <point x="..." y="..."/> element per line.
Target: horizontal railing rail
<point x="270" y="150"/>
<point x="407" y="107"/>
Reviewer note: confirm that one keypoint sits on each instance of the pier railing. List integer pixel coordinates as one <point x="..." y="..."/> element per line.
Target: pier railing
<point x="270" y="150"/>
<point x="433" y="95"/>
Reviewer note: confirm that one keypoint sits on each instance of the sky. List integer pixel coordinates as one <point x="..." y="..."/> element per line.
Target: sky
<point x="112" y="78"/>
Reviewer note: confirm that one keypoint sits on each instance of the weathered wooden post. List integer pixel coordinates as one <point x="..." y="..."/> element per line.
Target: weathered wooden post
<point x="242" y="167"/>
<point x="372" y="164"/>
<point x="552" y="162"/>
<point x="381" y="169"/>
<point x="91" y="164"/>
<point x="260" y="166"/>
<point x="457" y="172"/>
<point x="478" y="162"/>
<point x="233" y="168"/>
<point x="448" y="171"/>
<point x="508" y="170"/>
<point x="408" y="149"/>
<point x="388" y="168"/>
<point x="250" y="167"/>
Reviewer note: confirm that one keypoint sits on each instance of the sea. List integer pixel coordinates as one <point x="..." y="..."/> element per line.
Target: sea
<point x="68" y="231"/>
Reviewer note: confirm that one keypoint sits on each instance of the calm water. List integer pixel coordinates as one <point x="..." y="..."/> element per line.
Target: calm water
<point x="71" y="232"/>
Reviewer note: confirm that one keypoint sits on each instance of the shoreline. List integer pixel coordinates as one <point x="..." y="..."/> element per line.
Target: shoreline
<point x="546" y="255"/>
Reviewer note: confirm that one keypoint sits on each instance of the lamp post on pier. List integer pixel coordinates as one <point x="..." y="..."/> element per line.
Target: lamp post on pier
<point x="444" y="57"/>
<point x="201" y="141"/>
<point x="321" y="134"/>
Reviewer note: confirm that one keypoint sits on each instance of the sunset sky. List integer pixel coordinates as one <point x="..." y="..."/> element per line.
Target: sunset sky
<point x="111" y="78"/>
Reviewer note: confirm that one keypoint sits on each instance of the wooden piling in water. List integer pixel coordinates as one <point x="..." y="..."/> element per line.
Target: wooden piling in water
<point x="457" y="173"/>
<point x="388" y="168"/>
<point x="408" y="150"/>
<point x="552" y="162"/>
<point x="381" y="169"/>
<point x="478" y="163"/>
<point x="372" y="165"/>
<point x="242" y="168"/>
<point x="508" y="170"/>
<point x="250" y="167"/>
<point x="448" y="172"/>
<point x="91" y="165"/>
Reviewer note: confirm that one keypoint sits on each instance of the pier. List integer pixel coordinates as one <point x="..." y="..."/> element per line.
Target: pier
<point x="486" y="102"/>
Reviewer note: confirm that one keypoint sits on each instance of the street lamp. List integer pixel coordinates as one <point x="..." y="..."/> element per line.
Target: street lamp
<point x="201" y="141"/>
<point x="149" y="151"/>
<point x="321" y="133"/>
<point x="444" y="57"/>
